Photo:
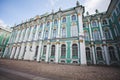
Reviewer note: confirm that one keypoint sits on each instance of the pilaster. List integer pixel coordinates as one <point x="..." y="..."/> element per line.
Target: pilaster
<point x="21" y="51"/>
<point x="39" y="51"/>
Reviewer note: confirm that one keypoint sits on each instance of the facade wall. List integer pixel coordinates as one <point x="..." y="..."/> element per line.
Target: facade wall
<point x="4" y="37"/>
<point x="67" y="37"/>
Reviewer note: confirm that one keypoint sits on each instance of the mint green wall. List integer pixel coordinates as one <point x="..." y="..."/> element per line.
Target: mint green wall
<point x="3" y="36"/>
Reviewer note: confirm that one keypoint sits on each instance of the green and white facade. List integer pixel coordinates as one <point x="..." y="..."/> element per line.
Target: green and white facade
<point x="68" y="37"/>
<point x="4" y="37"/>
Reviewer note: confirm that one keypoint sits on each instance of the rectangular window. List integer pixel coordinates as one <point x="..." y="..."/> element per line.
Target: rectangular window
<point x="74" y="31"/>
<point x="46" y="35"/>
<point x="63" y="32"/>
<point x="54" y="33"/>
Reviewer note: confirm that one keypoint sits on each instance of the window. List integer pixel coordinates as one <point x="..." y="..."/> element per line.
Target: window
<point x="30" y="48"/>
<point x="44" y="50"/>
<point x="86" y="36"/>
<point x="4" y="40"/>
<point x="63" y="50"/>
<point x="85" y="25"/>
<point x="63" y="32"/>
<point x="94" y="24"/>
<point x="112" y="53"/>
<point x="73" y="17"/>
<point x="24" y="33"/>
<point x="39" y="35"/>
<point x="64" y="19"/>
<point x="88" y="53"/>
<point x="55" y="22"/>
<point x="53" y="50"/>
<point x="41" y="25"/>
<point x="33" y="36"/>
<point x="117" y="10"/>
<point x="96" y="35"/>
<point x="54" y="33"/>
<point x="104" y="22"/>
<point x="24" y="51"/>
<point x="48" y="23"/>
<point x="29" y="32"/>
<point x="46" y="35"/>
<point x="116" y="31"/>
<point x="35" y="27"/>
<point x="107" y="34"/>
<point x="99" y="53"/>
<point x="36" y="52"/>
<point x="74" y="50"/>
<point x="74" y="31"/>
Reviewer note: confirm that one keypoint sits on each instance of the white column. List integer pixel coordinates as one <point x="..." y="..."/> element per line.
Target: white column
<point x="36" y="33"/>
<point x="31" y="33"/>
<point x="21" y="36"/>
<point x="111" y="34"/>
<point x="17" y="52"/>
<point x="5" y="52"/>
<point x="116" y="53"/>
<point x="106" y="55"/>
<point x="13" y="52"/>
<point x="16" y="36"/>
<point x="50" y="30"/>
<point x="56" y="52"/>
<point x="26" y="34"/>
<point x="47" y="52"/>
<point x="91" y="36"/>
<point x="93" y="51"/>
<point x="82" y="41"/>
<point x="101" y="30"/>
<point x="27" y="53"/>
<point x="21" y="51"/>
<point x="39" y="51"/>
<point x="32" y="54"/>
<point x="58" y="28"/>
<point x="42" y="31"/>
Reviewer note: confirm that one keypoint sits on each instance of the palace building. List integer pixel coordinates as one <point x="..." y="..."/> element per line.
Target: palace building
<point x="4" y="37"/>
<point x="67" y="36"/>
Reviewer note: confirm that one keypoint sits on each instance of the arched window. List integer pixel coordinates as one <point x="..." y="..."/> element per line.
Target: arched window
<point x="63" y="50"/>
<point x="74" y="31"/>
<point x="33" y="36"/>
<point x="63" y="32"/>
<point x="99" y="53"/>
<point x="44" y="50"/>
<point x="55" y="22"/>
<point x="30" y="48"/>
<point x="96" y="35"/>
<point x="36" y="52"/>
<point x="24" y="52"/>
<point x="41" y="25"/>
<point x="35" y="27"/>
<point x="73" y="17"/>
<point x="88" y="53"/>
<point x="46" y="35"/>
<point x="104" y="22"/>
<point x="28" y="34"/>
<point x="53" y="50"/>
<point x="112" y="53"/>
<point x="107" y="34"/>
<point x="64" y="19"/>
<point x="86" y="36"/>
<point x="24" y="33"/>
<point x="94" y="24"/>
<point x="54" y="33"/>
<point x="74" y="50"/>
<point x="48" y="23"/>
<point x="39" y="35"/>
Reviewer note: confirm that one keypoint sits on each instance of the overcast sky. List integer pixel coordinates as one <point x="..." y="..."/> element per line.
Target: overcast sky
<point x="15" y="11"/>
